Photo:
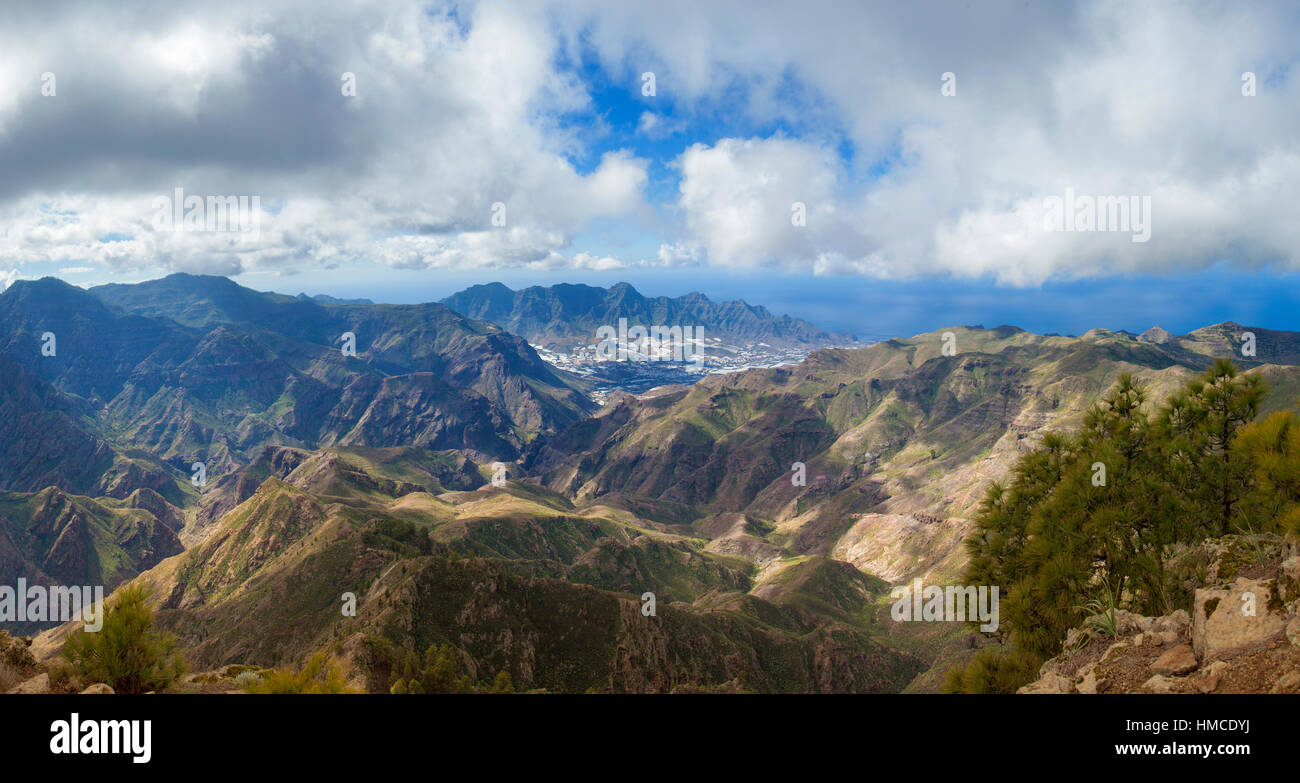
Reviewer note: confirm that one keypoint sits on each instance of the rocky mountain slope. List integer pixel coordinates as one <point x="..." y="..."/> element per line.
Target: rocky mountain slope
<point x="768" y="511"/>
<point x="120" y="391"/>
<point x="53" y="538"/>
<point x="516" y="578"/>
<point x="898" y="440"/>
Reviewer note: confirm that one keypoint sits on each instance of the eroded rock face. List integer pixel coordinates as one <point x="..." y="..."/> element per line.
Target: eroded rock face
<point x="1226" y="622"/>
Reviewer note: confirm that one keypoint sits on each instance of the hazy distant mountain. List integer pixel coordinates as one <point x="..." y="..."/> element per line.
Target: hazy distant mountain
<point x="327" y="299"/>
<point x="565" y="315"/>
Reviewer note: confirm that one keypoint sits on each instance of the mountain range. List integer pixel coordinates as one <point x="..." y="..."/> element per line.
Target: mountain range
<point x="768" y="512"/>
<point x="560" y="317"/>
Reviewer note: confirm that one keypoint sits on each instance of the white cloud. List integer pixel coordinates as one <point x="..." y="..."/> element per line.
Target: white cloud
<point x="457" y="111"/>
<point x="446" y="123"/>
<point x="1106" y="98"/>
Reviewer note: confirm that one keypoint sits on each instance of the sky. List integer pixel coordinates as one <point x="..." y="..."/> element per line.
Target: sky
<point x="878" y="168"/>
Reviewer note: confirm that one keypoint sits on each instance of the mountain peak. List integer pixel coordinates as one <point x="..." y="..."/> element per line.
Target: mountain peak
<point x="625" y="291"/>
<point x="1156" y="335"/>
<point x="45" y="285"/>
<point x="50" y="294"/>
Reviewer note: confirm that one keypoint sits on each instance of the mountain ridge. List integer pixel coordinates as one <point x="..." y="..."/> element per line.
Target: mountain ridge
<point x="566" y="314"/>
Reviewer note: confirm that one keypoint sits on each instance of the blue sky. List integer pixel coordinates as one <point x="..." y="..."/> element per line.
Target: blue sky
<point x="505" y="140"/>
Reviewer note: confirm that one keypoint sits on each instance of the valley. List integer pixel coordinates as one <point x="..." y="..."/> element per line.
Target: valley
<point x="765" y="511"/>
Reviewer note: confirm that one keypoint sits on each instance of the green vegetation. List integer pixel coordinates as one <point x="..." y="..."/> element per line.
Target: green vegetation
<point x="127" y="654"/>
<point x="1089" y="522"/>
<point x="439" y="670"/>
<point x="319" y="675"/>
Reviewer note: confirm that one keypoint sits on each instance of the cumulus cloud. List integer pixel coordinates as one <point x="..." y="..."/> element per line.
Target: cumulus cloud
<point x="462" y="109"/>
<point x="452" y="116"/>
<point x="1107" y="99"/>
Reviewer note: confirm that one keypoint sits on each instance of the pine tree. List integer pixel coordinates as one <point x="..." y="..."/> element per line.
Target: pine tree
<point x="1088" y="519"/>
<point x="502" y="683"/>
<point x="127" y="653"/>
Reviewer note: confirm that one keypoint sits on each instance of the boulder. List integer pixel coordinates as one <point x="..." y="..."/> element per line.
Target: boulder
<point x="98" y="687"/>
<point x="1220" y="625"/>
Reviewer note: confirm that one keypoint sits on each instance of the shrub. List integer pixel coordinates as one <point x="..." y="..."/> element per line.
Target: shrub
<point x="319" y="675"/>
<point x="128" y="653"/>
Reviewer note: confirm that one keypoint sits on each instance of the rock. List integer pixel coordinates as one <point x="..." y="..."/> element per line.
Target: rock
<point x="1287" y="683"/>
<point x="1219" y="626"/>
<point x="1178" y="660"/>
<point x="1113" y="648"/>
<point x="98" y="687"/>
<point x="1293" y="630"/>
<point x="1160" y="638"/>
<point x="1052" y="683"/>
<point x="1088" y="681"/>
<point x="1176" y="623"/>
<point x="38" y="684"/>
<point x="1076" y="638"/>
<point x="1208" y="679"/>
<point x="1288" y="579"/>
<point x="1127" y="622"/>
<point x="1161" y="684"/>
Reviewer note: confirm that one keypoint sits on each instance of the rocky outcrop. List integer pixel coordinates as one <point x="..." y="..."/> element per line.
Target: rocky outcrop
<point x="1242" y="636"/>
